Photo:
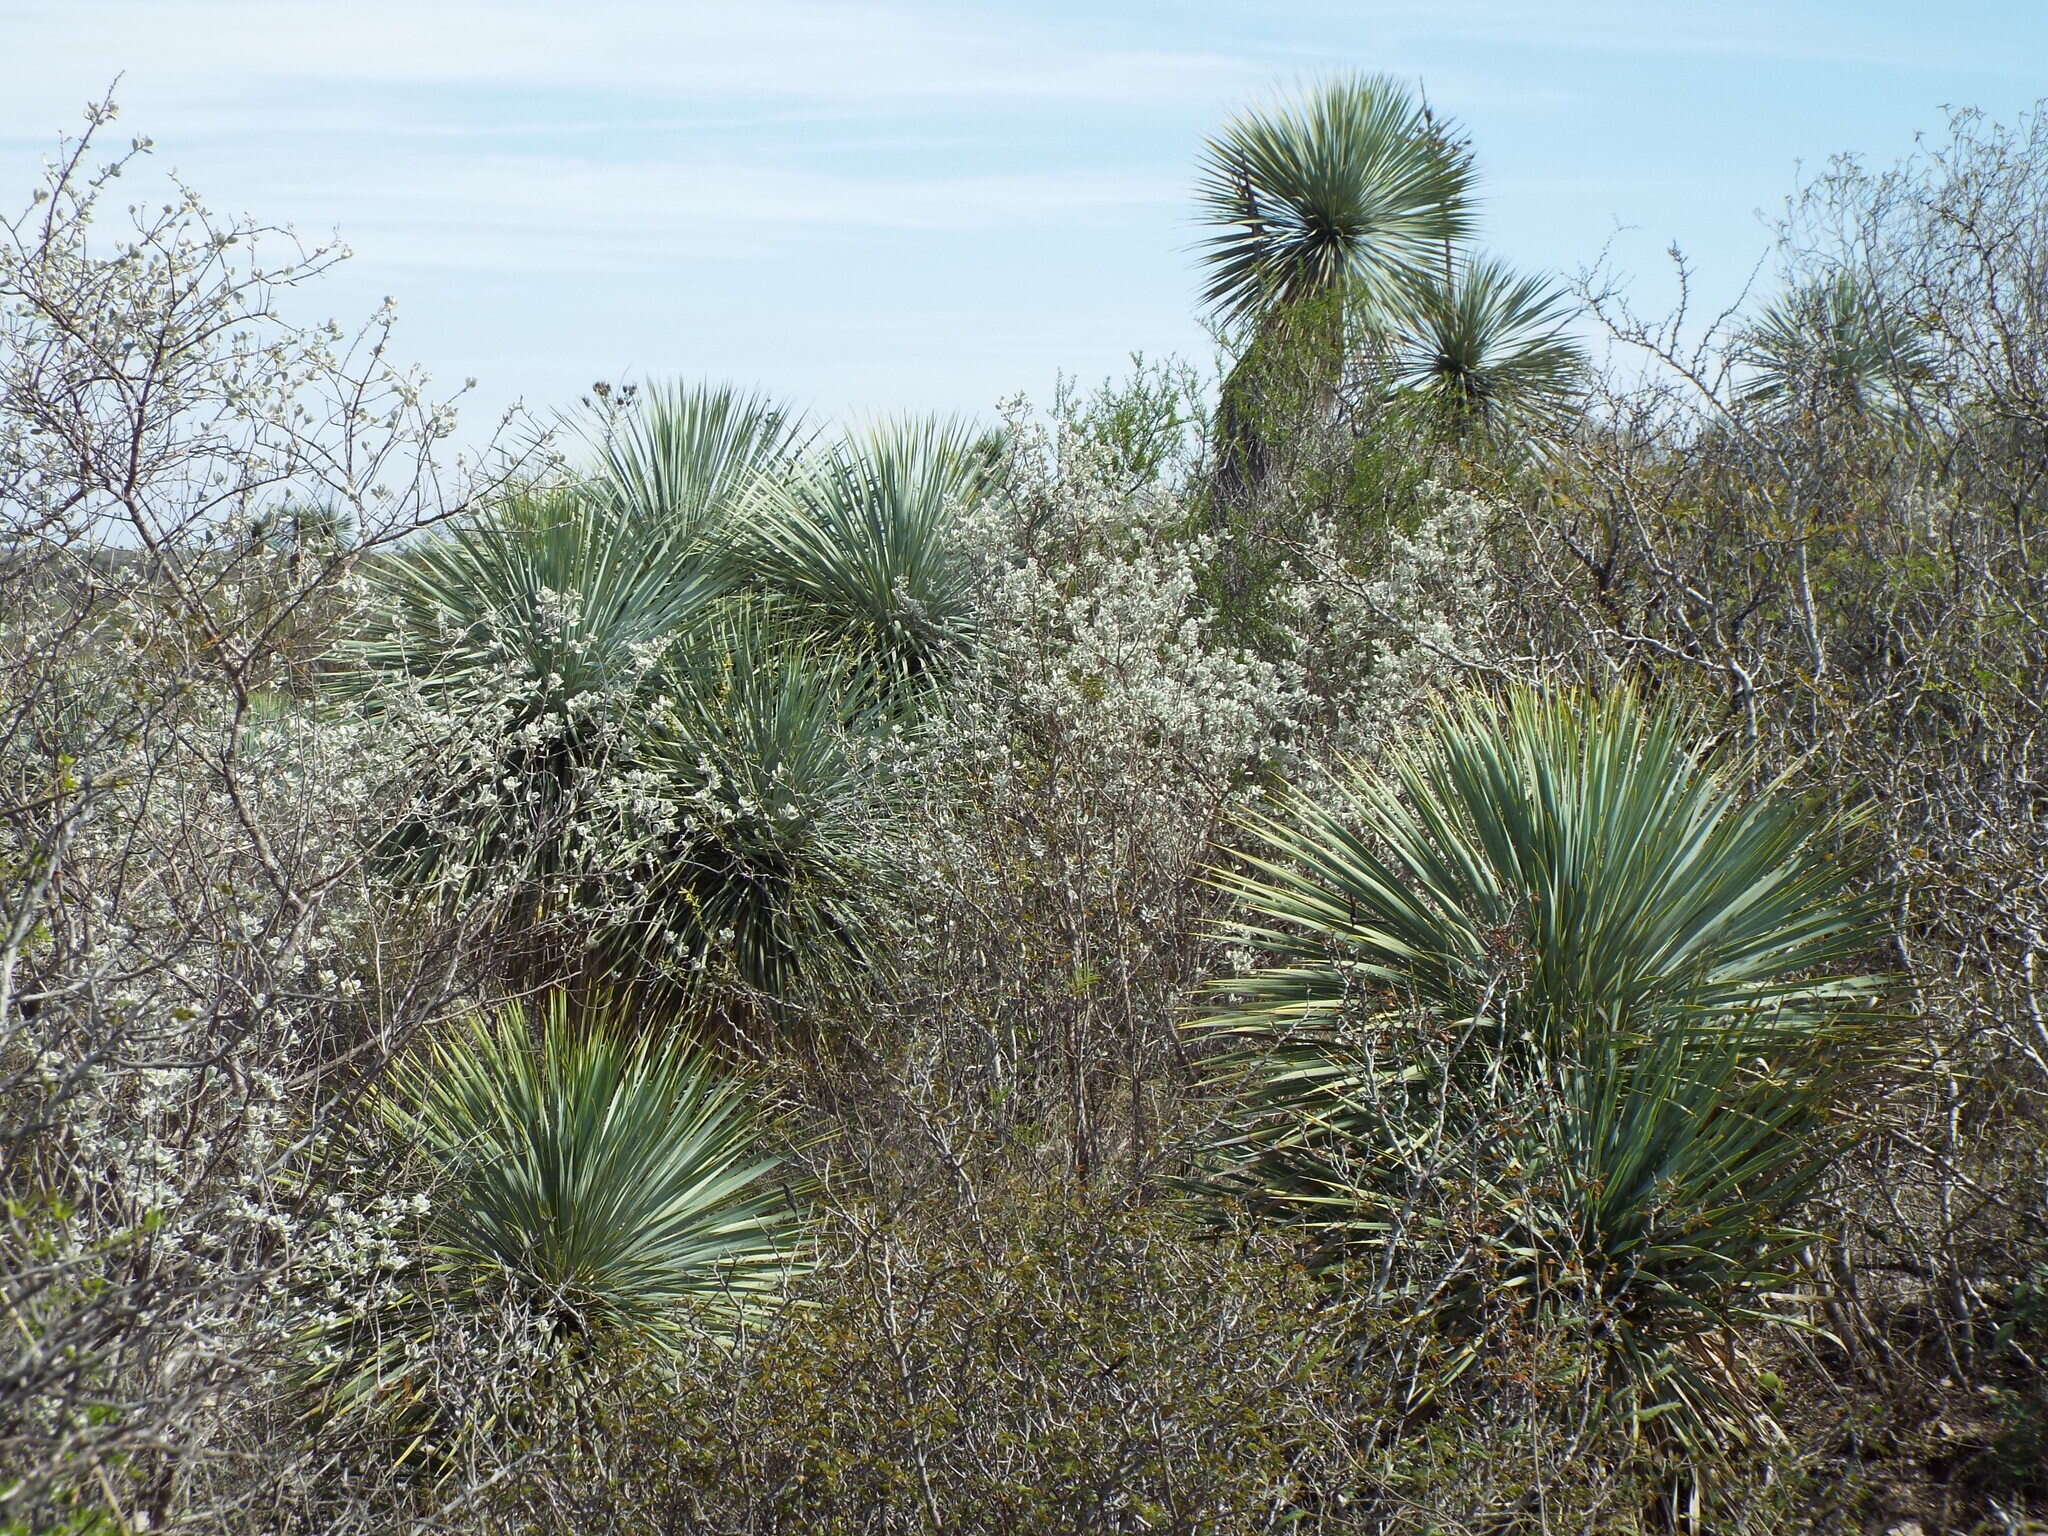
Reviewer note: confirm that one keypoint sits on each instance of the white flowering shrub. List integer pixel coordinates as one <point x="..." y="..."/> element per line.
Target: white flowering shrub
<point x="1074" y="775"/>
<point x="645" y="769"/>
<point x="1380" y="629"/>
<point x="196" y="963"/>
<point x="1084" y="769"/>
<point x="733" y="855"/>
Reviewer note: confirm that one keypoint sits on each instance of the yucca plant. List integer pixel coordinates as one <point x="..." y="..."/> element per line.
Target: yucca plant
<point x="1354" y="188"/>
<point x="1561" y="1018"/>
<point x="649" y="699"/>
<point x="552" y="594"/>
<point x="1831" y="345"/>
<point x="686" y="459"/>
<point x="1330" y="214"/>
<point x="595" y="1194"/>
<point x="865" y="545"/>
<point x="530" y="636"/>
<point x="765" y="763"/>
<point x="1485" y="353"/>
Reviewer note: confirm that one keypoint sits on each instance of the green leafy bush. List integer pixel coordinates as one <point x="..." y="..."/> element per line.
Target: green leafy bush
<point x="1031" y="1367"/>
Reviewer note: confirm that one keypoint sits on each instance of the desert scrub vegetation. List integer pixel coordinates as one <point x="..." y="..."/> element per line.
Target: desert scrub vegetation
<point x="1420" y="936"/>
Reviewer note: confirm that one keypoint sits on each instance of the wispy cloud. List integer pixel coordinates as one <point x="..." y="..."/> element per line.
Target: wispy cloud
<point x="763" y="50"/>
<point x="769" y="186"/>
<point x="538" y="214"/>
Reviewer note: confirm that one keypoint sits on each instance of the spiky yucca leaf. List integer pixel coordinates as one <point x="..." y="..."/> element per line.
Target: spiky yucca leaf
<point x="686" y="458"/>
<point x="552" y="594"/>
<point x="1560" y="1021"/>
<point x="864" y="545"/>
<point x="1569" y="858"/>
<point x="768" y="754"/>
<point x="594" y="1191"/>
<point x="1351" y="188"/>
<point x="1486" y="352"/>
<point x="1831" y="345"/>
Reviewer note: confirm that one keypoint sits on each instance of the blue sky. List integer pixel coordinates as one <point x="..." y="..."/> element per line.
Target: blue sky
<point x="870" y="207"/>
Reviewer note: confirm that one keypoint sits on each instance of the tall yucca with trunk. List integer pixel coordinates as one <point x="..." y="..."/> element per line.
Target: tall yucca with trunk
<point x="1559" y="1017"/>
<point x="1353" y="188"/>
<point x="1328" y="212"/>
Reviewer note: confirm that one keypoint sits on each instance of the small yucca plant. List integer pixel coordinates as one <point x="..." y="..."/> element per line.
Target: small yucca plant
<point x="864" y="544"/>
<point x="1560" y="1021"/>
<point x="595" y="1194"/>
<point x="1485" y="354"/>
<point x="768" y="758"/>
<point x="1833" y="346"/>
<point x="524" y="639"/>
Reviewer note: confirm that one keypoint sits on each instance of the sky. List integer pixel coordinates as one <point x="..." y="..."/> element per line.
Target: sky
<point x="932" y="205"/>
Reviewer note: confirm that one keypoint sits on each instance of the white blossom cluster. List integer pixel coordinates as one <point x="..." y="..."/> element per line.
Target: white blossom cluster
<point x="1082" y="778"/>
<point x="1378" y="636"/>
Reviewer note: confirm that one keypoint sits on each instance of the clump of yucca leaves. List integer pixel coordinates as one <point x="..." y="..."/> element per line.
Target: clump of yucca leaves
<point x="720" y="624"/>
<point x="595" y="1193"/>
<point x="1560" y="1025"/>
<point x="769" y="757"/>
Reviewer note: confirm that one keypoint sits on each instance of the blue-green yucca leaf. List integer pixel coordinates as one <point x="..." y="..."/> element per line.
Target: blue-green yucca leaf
<point x="614" y="1178"/>
<point x="1486" y="353"/>
<point x="1576" y="857"/>
<point x="686" y="459"/>
<point x="1556" y="998"/>
<point x="1832" y="344"/>
<point x="599" y="1190"/>
<point x="1353" y="188"/>
<point x="771" y="754"/>
<point x="865" y="543"/>
<point x="553" y="594"/>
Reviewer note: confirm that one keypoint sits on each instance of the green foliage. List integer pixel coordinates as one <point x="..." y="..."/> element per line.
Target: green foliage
<point x="1036" y="1365"/>
<point x="1143" y="425"/>
<point x="1353" y="188"/>
<point x="1556" y="1026"/>
<point x="768" y="758"/>
<point x="2017" y="1458"/>
<point x="863" y="543"/>
<point x="594" y="1193"/>
<point x="1485" y="354"/>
